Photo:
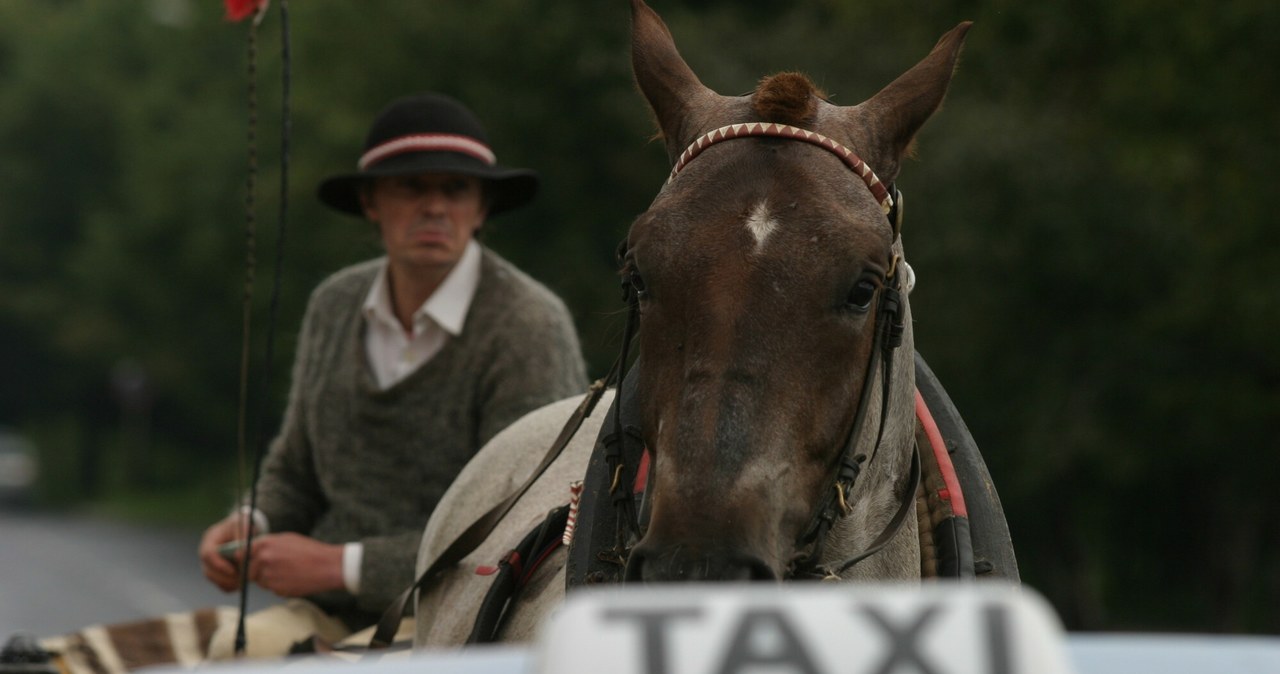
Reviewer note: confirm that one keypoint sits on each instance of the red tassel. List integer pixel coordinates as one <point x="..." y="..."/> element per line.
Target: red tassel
<point x="239" y="10"/>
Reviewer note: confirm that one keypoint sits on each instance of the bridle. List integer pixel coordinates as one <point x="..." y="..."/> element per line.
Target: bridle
<point x="889" y="328"/>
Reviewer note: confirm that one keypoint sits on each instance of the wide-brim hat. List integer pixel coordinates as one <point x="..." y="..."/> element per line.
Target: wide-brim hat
<point x="429" y="133"/>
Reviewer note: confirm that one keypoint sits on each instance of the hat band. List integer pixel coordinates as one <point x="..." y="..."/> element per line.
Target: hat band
<point x="427" y="142"/>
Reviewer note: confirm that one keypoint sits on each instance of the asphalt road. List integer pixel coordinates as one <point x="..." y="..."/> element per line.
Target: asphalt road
<point x="60" y="573"/>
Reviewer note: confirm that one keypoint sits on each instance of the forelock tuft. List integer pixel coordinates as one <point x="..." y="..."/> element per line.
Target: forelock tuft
<point x="787" y="98"/>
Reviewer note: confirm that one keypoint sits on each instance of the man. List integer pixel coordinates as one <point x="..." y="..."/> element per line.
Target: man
<point x="405" y="366"/>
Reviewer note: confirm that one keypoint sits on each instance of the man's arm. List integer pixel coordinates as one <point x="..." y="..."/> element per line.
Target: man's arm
<point x="386" y="568"/>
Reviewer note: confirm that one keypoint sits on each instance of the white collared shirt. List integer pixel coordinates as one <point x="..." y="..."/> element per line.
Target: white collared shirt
<point x="394" y="353"/>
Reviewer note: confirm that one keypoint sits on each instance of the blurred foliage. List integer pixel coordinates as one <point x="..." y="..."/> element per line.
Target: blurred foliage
<point x="1090" y="217"/>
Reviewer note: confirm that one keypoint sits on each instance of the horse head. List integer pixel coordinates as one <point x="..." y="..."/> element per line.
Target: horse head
<point x="761" y="271"/>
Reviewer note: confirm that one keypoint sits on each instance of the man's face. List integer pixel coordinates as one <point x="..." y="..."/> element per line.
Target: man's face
<point x="426" y="219"/>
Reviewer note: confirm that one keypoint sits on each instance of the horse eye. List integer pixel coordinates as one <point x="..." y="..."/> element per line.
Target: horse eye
<point x="860" y="297"/>
<point x="637" y="283"/>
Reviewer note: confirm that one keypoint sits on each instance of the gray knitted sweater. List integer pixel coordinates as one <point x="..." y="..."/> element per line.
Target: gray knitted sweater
<point x="356" y="463"/>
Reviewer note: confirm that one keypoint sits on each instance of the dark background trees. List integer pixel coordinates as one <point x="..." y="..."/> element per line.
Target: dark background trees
<point x="1090" y="216"/>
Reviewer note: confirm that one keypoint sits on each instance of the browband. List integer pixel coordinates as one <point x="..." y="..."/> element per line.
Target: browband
<point x="878" y="189"/>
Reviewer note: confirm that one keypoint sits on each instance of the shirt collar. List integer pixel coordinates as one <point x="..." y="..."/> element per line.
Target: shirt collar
<point x="447" y="306"/>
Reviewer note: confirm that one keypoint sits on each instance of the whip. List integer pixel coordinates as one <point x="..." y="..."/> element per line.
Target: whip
<point x="238" y="10"/>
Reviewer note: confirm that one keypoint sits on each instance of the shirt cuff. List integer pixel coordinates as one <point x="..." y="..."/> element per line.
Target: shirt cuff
<point x="352" y="557"/>
<point x="260" y="524"/>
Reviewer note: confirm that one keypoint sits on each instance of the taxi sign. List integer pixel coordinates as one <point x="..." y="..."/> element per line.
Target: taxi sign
<point x="940" y="628"/>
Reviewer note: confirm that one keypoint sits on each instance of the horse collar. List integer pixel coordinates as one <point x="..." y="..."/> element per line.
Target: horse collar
<point x="878" y="190"/>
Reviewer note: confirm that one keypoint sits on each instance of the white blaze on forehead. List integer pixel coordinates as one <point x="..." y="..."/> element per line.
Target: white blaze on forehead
<point x="761" y="223"/>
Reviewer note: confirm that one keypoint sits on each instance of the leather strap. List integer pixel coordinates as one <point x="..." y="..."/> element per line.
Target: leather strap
<point x="514" y="571"/>
<point x="905" y="506"/>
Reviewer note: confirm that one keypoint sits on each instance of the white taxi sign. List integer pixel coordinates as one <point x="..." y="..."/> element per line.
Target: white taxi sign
<point x="942" y="628"/>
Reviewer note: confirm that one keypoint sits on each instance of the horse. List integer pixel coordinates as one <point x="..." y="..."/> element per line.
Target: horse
<point x="769" y="284"/>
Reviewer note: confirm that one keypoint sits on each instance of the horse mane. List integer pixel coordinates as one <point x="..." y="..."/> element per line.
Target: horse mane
<point x="787" y="98"/>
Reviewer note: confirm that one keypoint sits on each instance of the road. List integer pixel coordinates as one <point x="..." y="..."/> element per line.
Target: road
<point x="60" y="573"/>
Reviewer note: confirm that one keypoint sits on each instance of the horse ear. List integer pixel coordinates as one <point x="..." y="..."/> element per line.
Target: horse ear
<point x="674" y="92"/>
<point x="900" y="109"/>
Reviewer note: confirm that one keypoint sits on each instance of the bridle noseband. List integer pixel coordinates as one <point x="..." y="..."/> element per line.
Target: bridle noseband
<point x="889" y="328"/>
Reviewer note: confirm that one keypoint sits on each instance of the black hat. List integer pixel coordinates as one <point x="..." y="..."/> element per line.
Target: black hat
<point x="429" y="133"/>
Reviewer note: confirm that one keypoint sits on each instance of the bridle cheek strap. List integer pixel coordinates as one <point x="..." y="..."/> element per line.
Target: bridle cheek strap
<point x="889" y="330"/>
<point x="906" y="505"/>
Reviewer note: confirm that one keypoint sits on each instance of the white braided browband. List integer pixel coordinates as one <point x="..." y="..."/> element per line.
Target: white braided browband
<point x="427" y="142"/>
<point x="846" y="155"/>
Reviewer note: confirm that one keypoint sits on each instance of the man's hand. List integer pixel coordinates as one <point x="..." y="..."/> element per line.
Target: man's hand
<point x="293" y="565"/>
<point x="220" y="571"/>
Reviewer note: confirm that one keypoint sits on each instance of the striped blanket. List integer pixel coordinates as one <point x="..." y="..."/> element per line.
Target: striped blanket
<point x="180" y="639"/>
<point x="185" y="639"/>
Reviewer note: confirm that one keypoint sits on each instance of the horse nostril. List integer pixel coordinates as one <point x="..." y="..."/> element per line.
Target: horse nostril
<point x="633" y="571"/>
<point x="761" y="571"/>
